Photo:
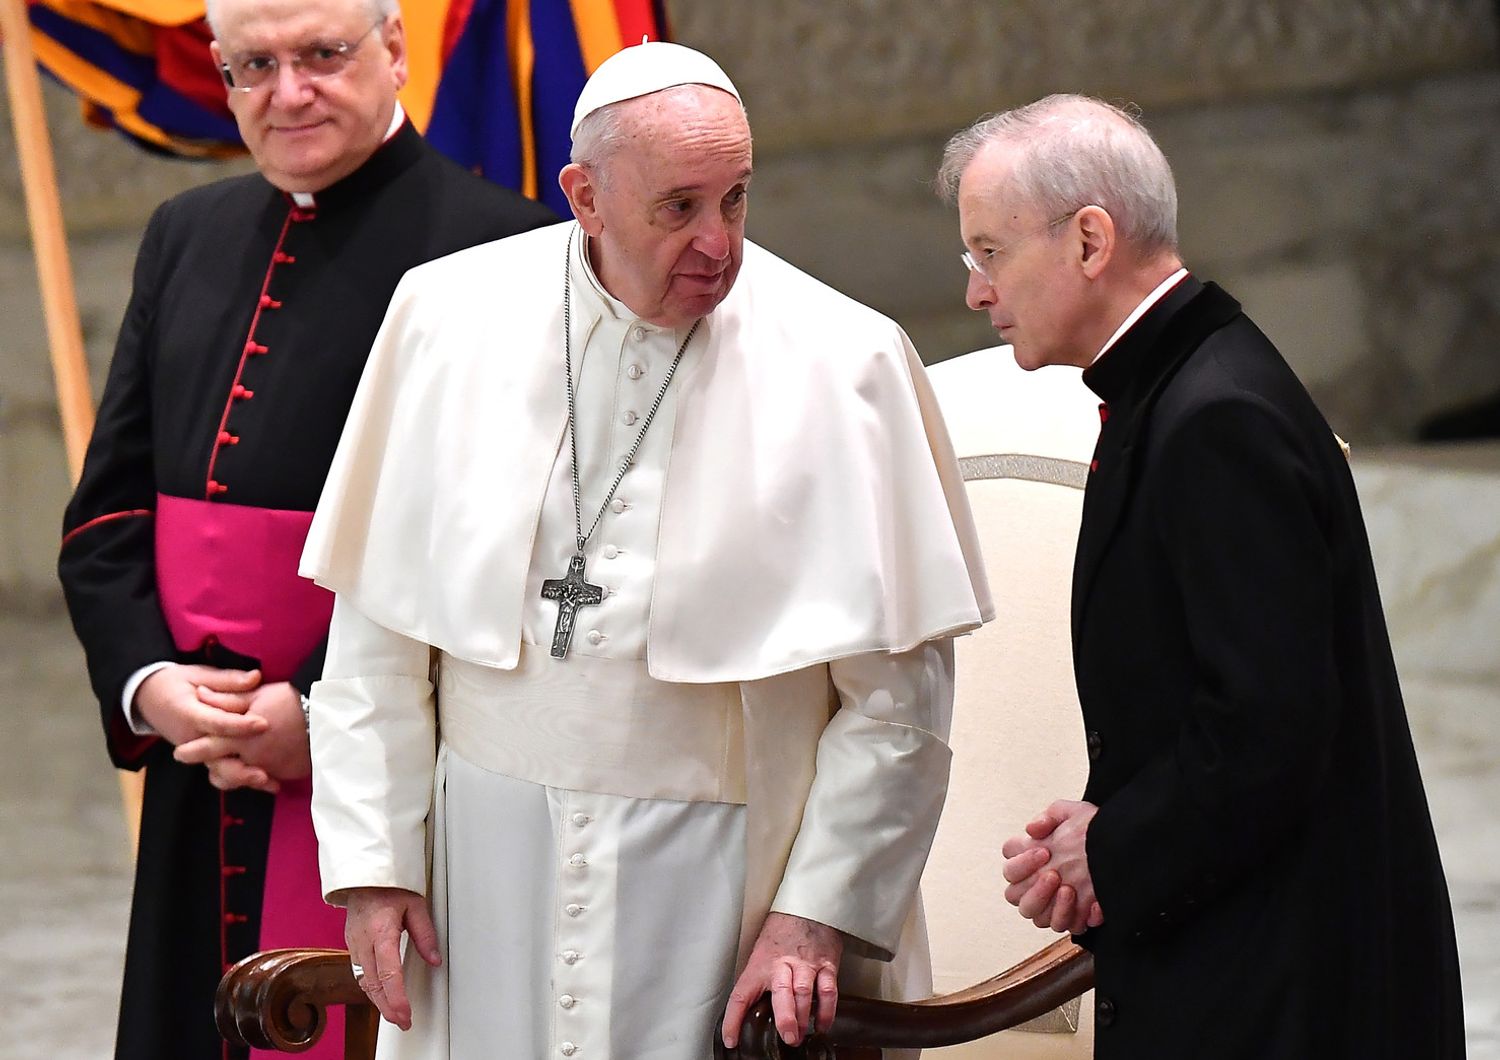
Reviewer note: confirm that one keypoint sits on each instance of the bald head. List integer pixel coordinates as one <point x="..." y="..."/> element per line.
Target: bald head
<point x="1067" y="151"/>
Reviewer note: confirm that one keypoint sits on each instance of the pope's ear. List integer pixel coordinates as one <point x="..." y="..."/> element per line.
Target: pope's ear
<point x="578" y="185"/>
<point x="1096" y="239"/>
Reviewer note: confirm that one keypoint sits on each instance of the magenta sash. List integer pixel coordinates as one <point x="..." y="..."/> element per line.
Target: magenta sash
<point x="229" y="573"/>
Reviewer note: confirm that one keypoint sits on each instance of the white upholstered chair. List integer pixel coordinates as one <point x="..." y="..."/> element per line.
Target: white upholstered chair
<point x="1024" y="440"/>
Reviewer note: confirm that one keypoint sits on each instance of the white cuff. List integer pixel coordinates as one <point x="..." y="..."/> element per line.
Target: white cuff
<point x="138" y="725"/>
<point x="882" y="774"/>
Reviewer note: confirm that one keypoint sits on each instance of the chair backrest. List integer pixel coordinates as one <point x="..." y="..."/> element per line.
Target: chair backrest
<point x="1024" y="440"/>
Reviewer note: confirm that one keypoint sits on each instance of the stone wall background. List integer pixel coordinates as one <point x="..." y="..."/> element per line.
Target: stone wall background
<point x="1338" y="166"/>
<point x="108" y="189"/>
<point x="1337" y="162"/>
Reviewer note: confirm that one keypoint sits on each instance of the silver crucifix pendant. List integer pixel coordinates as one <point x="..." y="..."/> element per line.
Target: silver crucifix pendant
<point x="571" y="593"/>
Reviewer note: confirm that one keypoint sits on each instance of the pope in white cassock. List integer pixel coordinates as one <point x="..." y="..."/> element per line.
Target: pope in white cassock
<point x="649" y="550"/>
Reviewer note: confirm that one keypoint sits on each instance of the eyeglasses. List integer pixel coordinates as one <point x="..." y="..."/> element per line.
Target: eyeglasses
<point x="315" y="61"/>
<point x="977" y="265"/>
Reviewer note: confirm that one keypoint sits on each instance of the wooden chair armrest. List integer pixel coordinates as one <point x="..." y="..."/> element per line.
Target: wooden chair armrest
<point x="279" y="1000"/>
<point x="862" y="1026"/>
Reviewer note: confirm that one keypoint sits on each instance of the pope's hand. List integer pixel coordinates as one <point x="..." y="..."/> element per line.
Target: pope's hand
<point x="372" y="931"/>
<point x="794" y="959"/>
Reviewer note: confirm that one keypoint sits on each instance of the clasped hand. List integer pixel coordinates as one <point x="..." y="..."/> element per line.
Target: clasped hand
<point x="247" y="734"/>
<point x="1048" y="870"/>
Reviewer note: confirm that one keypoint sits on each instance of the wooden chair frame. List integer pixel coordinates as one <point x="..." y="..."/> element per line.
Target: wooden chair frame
<point x="279" y="1000"/>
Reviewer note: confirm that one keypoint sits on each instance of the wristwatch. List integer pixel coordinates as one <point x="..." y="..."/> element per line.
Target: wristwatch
<point x="306" y="710"/>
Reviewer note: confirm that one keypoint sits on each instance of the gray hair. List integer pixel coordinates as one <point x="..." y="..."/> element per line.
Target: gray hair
<point x="1072" y="151"/>
<point x="380" y="10"/>
<point x="602" y="132"/>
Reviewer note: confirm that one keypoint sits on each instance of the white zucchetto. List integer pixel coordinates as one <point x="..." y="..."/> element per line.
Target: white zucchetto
<point x="645" y="68"/>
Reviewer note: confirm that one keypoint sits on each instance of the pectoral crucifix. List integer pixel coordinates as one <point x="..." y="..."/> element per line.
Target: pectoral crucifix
<point x="571" y="593"/>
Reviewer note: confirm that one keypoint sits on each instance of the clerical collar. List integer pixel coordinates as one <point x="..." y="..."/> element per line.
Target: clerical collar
<point x="601" y="300"/>
<point x="310" y="200"/>
<point x="1139" y="311"/>
<point x="1128" y="366"/>
<point x="595" y="296"/>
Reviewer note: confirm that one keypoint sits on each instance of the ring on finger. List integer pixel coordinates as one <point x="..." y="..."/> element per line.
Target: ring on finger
<point x="358" y="969"/>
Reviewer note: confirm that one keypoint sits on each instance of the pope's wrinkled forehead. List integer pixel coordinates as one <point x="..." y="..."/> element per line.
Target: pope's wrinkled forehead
<point x="644" y="69"/>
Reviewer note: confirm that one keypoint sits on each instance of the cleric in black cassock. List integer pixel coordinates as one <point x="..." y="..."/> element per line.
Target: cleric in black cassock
<point x="1252" y="863"/>
<point x="252" y="312"/>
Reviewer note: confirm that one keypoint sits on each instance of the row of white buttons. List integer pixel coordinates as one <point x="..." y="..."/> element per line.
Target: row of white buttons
<point x="609" y="552"/>
<point x="567" y="982"/>
<point x="578" y="861"/>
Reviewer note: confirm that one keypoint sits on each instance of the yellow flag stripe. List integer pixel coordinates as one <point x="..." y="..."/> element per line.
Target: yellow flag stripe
<point x="598" y="31"/>
<point x="522" y="63"/>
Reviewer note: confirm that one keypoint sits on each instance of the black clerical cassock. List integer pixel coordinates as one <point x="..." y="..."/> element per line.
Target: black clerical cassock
<point x="243" y="342"/>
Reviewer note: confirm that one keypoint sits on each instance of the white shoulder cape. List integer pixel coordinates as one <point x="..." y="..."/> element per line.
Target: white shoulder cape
<point x="812" y="510"/>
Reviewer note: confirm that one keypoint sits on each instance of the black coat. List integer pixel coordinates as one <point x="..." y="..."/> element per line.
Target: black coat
<point x="1263" y="851"/>
<point x="217" y="266"/>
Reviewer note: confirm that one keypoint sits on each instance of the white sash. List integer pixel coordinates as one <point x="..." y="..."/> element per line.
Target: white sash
<point x="599" y="725"/>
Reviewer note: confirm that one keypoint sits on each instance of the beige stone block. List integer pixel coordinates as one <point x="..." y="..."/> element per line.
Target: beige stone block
<point x="1266" y="182"/>
<point x="864" y="220"/>
<point x="1316" y="316"/>
<point x="104" y="180"/>
<point x="101" y="268"/>
<point x="24" y="374"/>
<point x="838" y="73"/>
<point x="34" y="488"/>
<point x="1433" y="517"/>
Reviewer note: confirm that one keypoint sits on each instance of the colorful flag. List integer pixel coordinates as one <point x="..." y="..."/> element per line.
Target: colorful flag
<point x="492" y="82"/>
<point x="499" y="96"/>
<point x="139" y="66"/>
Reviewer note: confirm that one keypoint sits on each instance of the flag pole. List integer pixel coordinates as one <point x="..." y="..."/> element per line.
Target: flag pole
<point x="70" y="370"/>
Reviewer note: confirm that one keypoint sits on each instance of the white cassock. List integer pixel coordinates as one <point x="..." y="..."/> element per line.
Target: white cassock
<point x="754" y="717"/>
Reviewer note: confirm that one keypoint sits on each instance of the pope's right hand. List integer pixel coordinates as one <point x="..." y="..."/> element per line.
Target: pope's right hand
<point x="170" y="703"/>
<point x="372" y="930"/>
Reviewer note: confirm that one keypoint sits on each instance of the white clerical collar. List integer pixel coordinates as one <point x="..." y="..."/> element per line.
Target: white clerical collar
<point x="592" y="295"/>
<point x="1140" y="310"/>
<point x="397" y="117"/>
<point x="308" y="199"/>
<point x="604" y="303"/>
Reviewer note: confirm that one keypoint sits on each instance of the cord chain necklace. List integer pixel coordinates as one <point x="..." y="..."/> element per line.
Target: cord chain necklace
<point x="573" y="590"/>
